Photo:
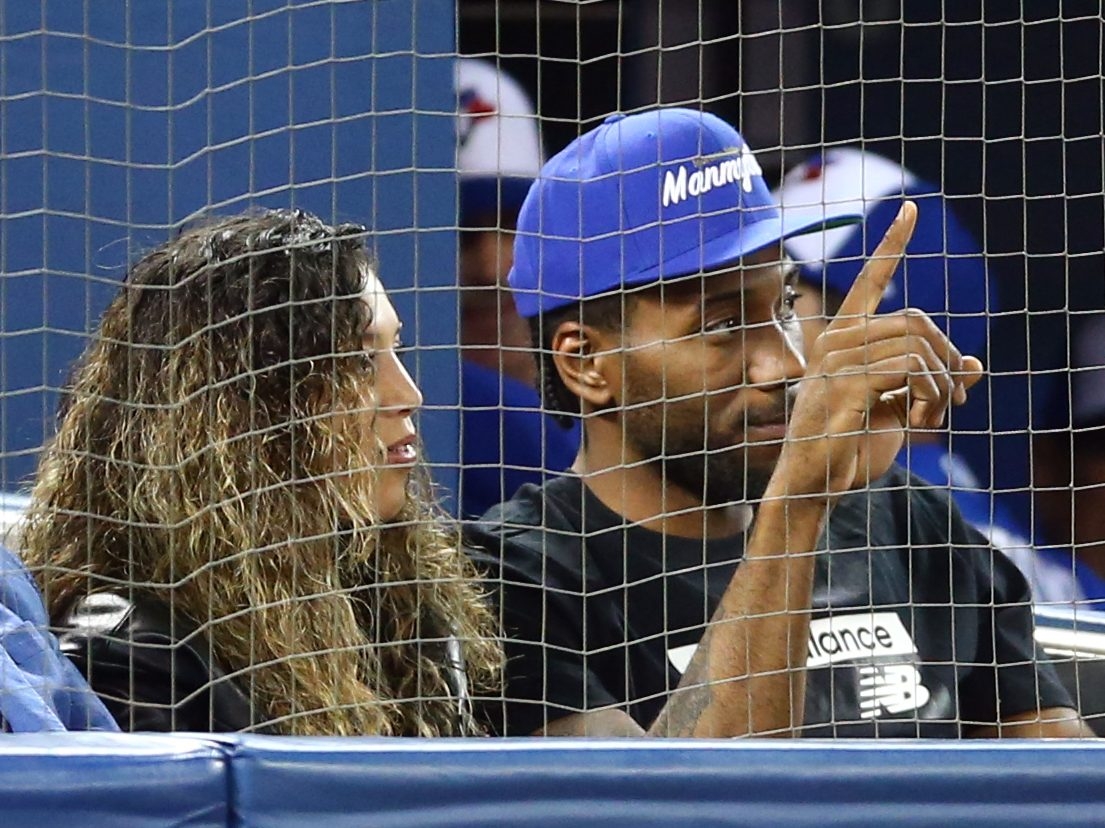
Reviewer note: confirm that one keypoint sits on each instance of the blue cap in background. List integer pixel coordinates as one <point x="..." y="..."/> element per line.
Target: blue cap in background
<point x="944" y="270"/>
<point x="657" y="195"/>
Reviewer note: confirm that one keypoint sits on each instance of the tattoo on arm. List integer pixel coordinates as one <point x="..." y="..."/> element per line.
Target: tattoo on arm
<point x="688" y="702"/>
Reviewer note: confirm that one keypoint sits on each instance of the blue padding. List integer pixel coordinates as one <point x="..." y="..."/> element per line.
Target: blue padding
<point x="284" y="782"/>
<point x="100" y="780"/>
<point x="145" y="780"/>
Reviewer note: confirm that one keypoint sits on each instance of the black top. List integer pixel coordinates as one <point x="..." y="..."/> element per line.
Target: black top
<point x="153" y="670"/>
<point x="919" y="627"/>
<point x="156" y="671"/>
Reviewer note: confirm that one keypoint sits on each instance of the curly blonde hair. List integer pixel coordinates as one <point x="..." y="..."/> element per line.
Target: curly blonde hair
<point x="205" y="456"/>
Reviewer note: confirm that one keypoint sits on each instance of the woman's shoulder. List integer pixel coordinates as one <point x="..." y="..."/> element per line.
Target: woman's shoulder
<point x="110" y="622"/>
<point x="154" y="668"/>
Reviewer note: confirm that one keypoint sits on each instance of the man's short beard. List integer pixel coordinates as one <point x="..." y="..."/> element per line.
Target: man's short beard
<point x="718" y="475"/>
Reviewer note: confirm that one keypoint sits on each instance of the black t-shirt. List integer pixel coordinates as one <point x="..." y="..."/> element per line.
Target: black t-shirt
<point x="918" y="627"/>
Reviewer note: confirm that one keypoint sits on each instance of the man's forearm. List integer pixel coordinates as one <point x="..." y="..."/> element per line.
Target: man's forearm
<point x="747" y="675"/>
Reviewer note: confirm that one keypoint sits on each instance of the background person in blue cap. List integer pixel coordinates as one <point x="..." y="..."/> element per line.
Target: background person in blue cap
<point x="505" y="438"/>
<point x="945" y="276"/>
<point x="674" y="583"/>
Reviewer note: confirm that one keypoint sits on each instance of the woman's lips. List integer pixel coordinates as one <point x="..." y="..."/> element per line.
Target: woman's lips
<point x="403" y="452"/>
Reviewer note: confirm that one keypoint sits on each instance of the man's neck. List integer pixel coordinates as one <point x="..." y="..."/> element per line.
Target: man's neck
<point x="638" y="492"/>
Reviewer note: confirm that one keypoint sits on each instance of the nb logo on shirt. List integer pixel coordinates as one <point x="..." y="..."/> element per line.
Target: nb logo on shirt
<point x="888" y="680"/>
<point x="890" y="688"/>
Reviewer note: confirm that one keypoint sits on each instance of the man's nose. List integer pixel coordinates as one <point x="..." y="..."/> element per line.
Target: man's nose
<point x="773" y="355"/>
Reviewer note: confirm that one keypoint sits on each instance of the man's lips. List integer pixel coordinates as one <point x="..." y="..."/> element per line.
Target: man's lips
<point x="768" y="423"/>
<point x="760" y="432"/>
<point x="403" y="452"/>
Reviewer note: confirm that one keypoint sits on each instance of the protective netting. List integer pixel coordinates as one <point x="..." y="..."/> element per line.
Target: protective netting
<point x="415" y="130"/>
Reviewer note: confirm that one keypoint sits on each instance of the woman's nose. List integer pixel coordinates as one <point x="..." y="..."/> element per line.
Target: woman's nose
<point x="398" y="394"/>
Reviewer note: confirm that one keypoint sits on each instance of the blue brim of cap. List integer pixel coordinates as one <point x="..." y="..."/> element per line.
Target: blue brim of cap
<point x="730" y="248"/>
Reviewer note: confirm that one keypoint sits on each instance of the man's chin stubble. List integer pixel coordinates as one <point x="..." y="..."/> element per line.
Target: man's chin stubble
<point x="718" y="480"/>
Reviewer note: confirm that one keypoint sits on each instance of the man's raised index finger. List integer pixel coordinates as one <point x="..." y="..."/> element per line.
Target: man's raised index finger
<point x="868" y="289"/>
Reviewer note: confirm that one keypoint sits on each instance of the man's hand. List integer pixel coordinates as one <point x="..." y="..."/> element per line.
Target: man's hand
<point x="868" y="378"/>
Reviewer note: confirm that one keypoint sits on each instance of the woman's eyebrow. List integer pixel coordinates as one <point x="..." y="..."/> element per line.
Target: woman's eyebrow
<point x="372" y="331"/>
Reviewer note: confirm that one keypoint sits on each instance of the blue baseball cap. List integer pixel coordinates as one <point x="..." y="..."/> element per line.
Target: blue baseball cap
<point x="642" y="198"/>
<point x="944" y="270"/>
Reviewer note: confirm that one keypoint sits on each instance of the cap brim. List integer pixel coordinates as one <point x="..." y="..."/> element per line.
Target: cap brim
<point x="730" y="248"/>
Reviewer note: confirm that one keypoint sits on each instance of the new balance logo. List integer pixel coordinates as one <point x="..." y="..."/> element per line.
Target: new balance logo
<point x="737" y="166"/>
<point x="890" y="688"/>
<point x="885" y="656"/>
<point x="852" y="637"/>
<point x="880" y="647"/>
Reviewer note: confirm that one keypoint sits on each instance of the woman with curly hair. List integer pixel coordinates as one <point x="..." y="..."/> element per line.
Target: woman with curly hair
<point x="231" y="524"/>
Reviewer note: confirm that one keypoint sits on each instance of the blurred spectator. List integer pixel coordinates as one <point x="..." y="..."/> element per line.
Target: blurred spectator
<point x="944" y="275"/>
<point x="40" y="689"/>
<point x="505" y="439"/>
<point x="1069" y="466"/>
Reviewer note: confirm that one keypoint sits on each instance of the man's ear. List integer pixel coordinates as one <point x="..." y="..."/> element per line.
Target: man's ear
<point x="583" y="357"/>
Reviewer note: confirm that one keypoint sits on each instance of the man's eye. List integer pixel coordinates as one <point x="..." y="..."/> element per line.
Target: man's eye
<point x="726" y="325"/>
<point x="786" y="306"/>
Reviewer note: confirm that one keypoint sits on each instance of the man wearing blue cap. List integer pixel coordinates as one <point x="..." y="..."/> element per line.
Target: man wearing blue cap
<point x="706" y="569"/>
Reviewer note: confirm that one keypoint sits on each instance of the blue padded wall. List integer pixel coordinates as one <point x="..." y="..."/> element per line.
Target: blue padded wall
<point x="642" y="784"/>
<point x="119" y="120"/>
<point x="112" y="781"/>
<point x="274" y="782"/>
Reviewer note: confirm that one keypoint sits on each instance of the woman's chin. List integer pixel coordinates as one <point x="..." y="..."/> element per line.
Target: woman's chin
<point x="390" y="504"/>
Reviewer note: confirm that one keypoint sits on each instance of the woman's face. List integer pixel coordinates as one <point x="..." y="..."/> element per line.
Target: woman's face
<point x="396" y="399"/>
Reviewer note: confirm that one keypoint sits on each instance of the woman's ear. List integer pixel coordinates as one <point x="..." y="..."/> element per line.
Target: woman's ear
<point x="583" y="358"/>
